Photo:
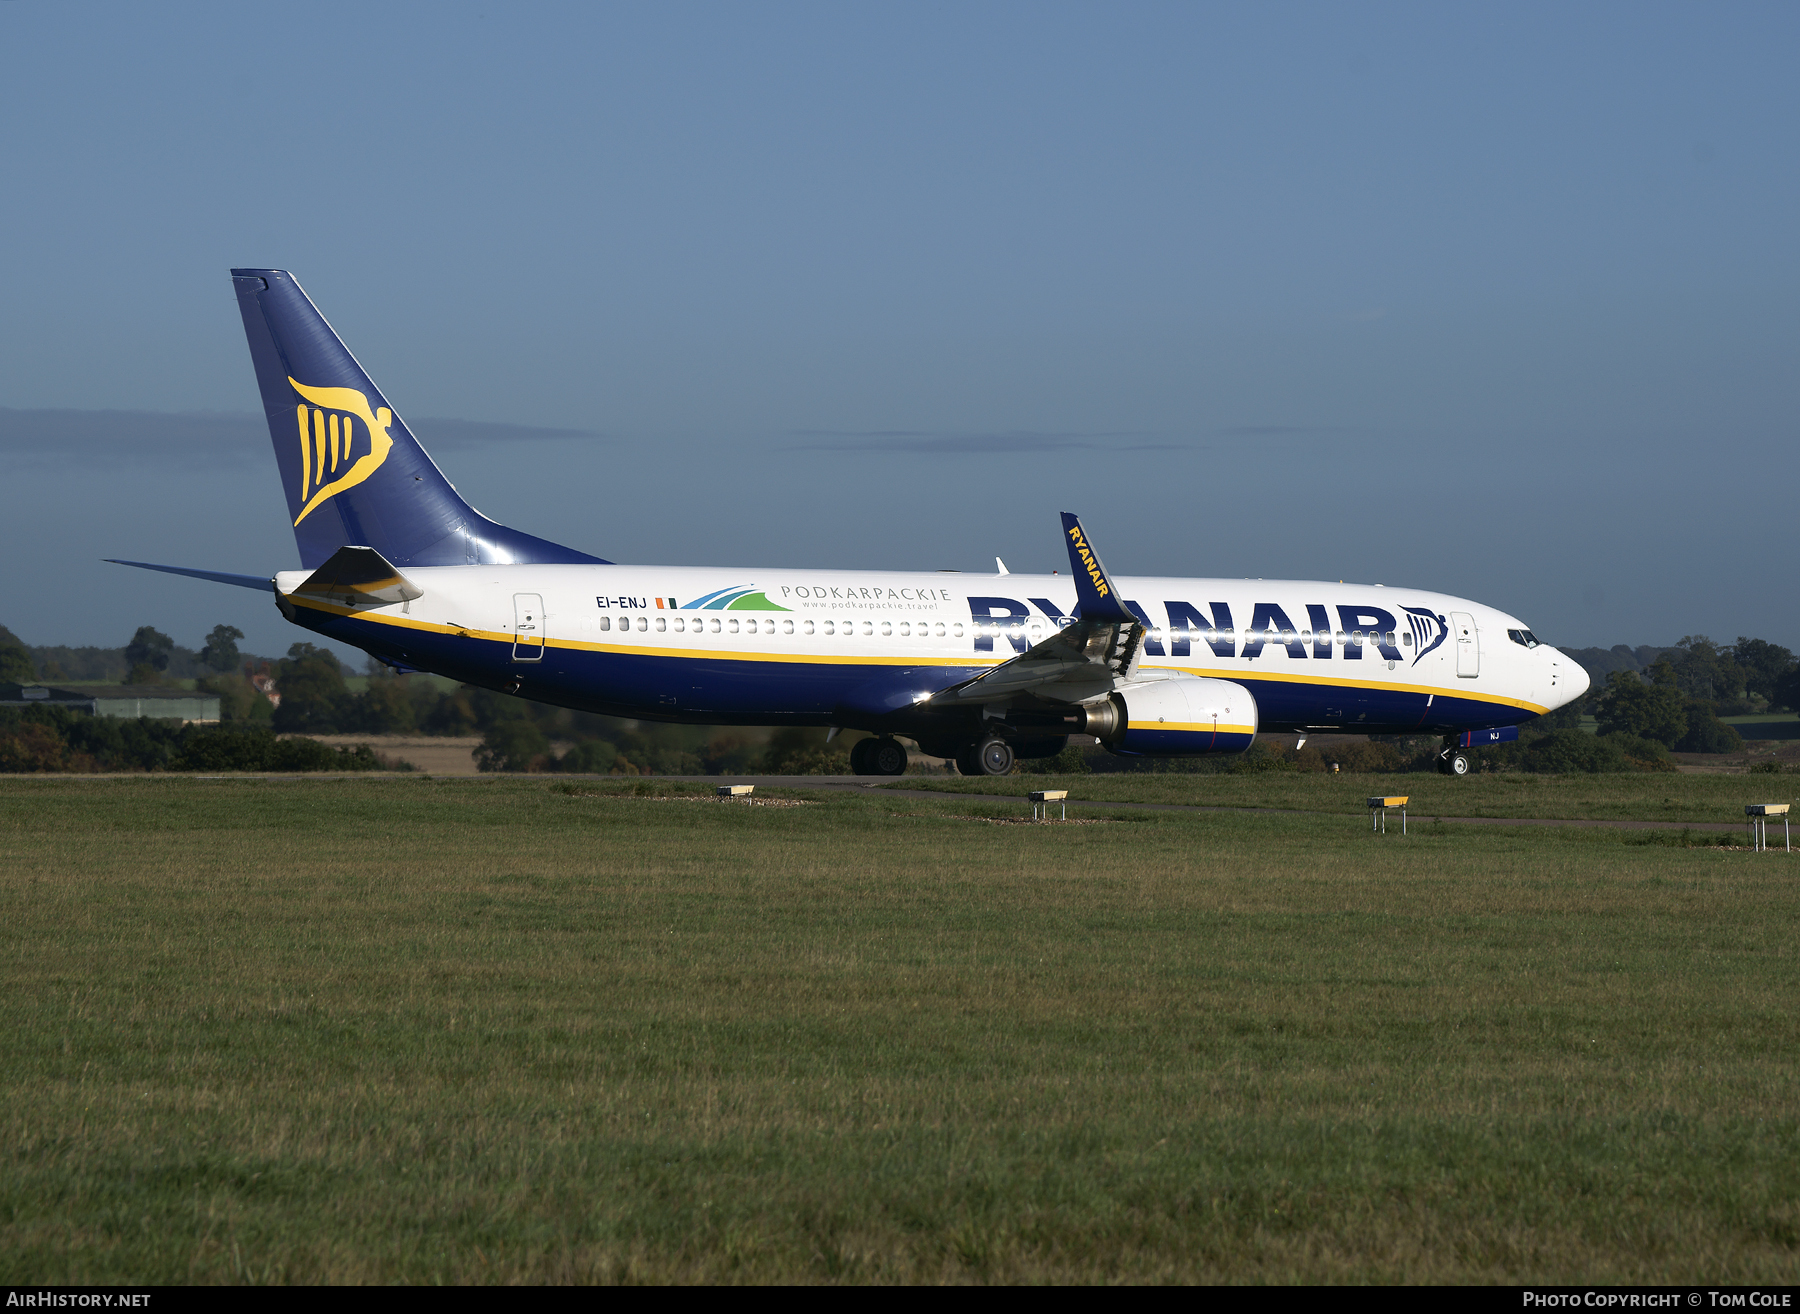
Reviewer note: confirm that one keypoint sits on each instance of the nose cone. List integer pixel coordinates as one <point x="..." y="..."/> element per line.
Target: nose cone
<point x="1571" y="679"/>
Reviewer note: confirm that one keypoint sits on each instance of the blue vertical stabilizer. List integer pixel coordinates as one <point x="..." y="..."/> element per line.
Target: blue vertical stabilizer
<point x="354" y="474"/>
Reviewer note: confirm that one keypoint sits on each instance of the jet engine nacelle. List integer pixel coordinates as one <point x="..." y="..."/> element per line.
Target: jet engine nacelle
<point x="1183" y="715"/>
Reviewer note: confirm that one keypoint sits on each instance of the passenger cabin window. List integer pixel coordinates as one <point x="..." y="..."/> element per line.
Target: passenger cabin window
<point x="806" y="627"/>
<point x="955" y="629"/>
<point x="829" y="627"/>
<point x="905" y="629"/>
<point x="1406" y="639"/>
<point x="787" y="627"/>
<point x="868" y="627"/>
<point x="606" y="622"/>
<point x="732" y="626"/>
<point x="662" y="623"/>
<point x="1524" y="638"/>
<point x="643" y="622"/>
<point x="886" y="629"/>
<point x="715" y="625"/>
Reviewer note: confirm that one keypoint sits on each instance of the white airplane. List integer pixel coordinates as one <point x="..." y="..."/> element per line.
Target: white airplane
<point x="978" y="669"/>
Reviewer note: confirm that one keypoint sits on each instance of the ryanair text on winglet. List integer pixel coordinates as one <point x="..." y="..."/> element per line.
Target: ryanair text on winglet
<point x="1087" y="559"/>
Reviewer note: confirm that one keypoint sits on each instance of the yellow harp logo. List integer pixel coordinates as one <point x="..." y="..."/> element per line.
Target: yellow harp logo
<point x="329" y="441"/>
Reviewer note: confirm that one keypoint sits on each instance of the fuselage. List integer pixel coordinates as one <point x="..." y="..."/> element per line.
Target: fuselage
<point x="863" y="649"/>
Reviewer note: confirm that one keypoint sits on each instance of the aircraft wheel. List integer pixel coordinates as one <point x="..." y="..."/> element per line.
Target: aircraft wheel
<point x="859" y="757"/>
<point x="885" y="757"/>
<point x="993" y="757"/>
<point x="1459" y="765"/>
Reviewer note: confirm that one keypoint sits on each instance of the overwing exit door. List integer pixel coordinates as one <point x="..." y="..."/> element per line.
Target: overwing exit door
<point x="528" y="627"/>
<point x="1468" y="645"/>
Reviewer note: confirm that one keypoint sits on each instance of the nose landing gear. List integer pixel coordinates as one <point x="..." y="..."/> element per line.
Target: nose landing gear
<point x="1454" y="761"/>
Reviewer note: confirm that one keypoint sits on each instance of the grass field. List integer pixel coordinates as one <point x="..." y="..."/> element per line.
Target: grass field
<point x="485" y="1031"/>
<point x="1620" y="797"/>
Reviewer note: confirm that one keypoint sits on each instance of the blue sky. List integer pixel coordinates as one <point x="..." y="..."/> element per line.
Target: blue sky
<point x="1494" y="300"/>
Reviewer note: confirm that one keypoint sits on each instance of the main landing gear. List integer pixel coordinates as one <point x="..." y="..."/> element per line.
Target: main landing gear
<point x="878" y="757"/>
<point x="990" y="757"/>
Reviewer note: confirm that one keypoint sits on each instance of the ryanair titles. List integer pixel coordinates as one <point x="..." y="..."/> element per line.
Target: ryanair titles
<point x="1191" y="629"/>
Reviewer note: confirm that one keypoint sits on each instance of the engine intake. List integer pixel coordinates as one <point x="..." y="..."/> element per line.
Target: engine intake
<point x="1182" y="716"/>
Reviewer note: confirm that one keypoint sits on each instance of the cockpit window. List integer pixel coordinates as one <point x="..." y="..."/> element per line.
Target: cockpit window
<point x="1524" y="638"/>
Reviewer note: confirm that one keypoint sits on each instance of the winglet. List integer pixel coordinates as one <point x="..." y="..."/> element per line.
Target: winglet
<point x="1093" y="586"/>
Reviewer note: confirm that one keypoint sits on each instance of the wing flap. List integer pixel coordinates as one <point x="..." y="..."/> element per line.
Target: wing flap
<point x="1079" y="663"/>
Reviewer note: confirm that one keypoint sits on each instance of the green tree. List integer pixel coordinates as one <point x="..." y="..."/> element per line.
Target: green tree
<point x="239" y="700"/>
<point x="593" y="757"/>
<point x="220" y="651"/>
<point x="387" y="707"/>
<point x="513" y="746"/>
<point x="1786" y="692"/>
<point x="1702" y="669"/>
<point x="314" y="698"/>
<point x="1564" y="752"/>
<point x="147" y="656"/>
<point x="1706" y="733"/>
<point x="1763" y="665"/>
<point x="15" y="664"/>
<point x="1650" y="711"/>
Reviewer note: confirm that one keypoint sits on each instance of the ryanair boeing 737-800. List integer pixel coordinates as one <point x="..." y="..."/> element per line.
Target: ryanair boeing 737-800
<point x="977" y="669"/>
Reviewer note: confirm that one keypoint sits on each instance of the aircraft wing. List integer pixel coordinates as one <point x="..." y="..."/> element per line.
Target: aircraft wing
<point x="1083" y="660"/>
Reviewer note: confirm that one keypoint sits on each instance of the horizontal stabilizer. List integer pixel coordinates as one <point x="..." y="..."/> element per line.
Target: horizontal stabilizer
<point x="358" y="577"/>
<point x="263" y="582"/>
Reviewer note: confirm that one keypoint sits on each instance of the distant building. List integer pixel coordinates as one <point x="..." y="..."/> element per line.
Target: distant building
<point x="127" y="701"/>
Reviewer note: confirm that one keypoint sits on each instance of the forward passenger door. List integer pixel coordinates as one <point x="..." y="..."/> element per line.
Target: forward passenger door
<point x="1468" y="645"/>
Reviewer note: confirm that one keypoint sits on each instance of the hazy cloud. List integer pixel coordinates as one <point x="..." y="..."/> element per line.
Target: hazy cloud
<point x="207" y="437"/>
<point x="882" y="442"/>
<point x="1011" y="442"/>
<point x="1284" y="431"/>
